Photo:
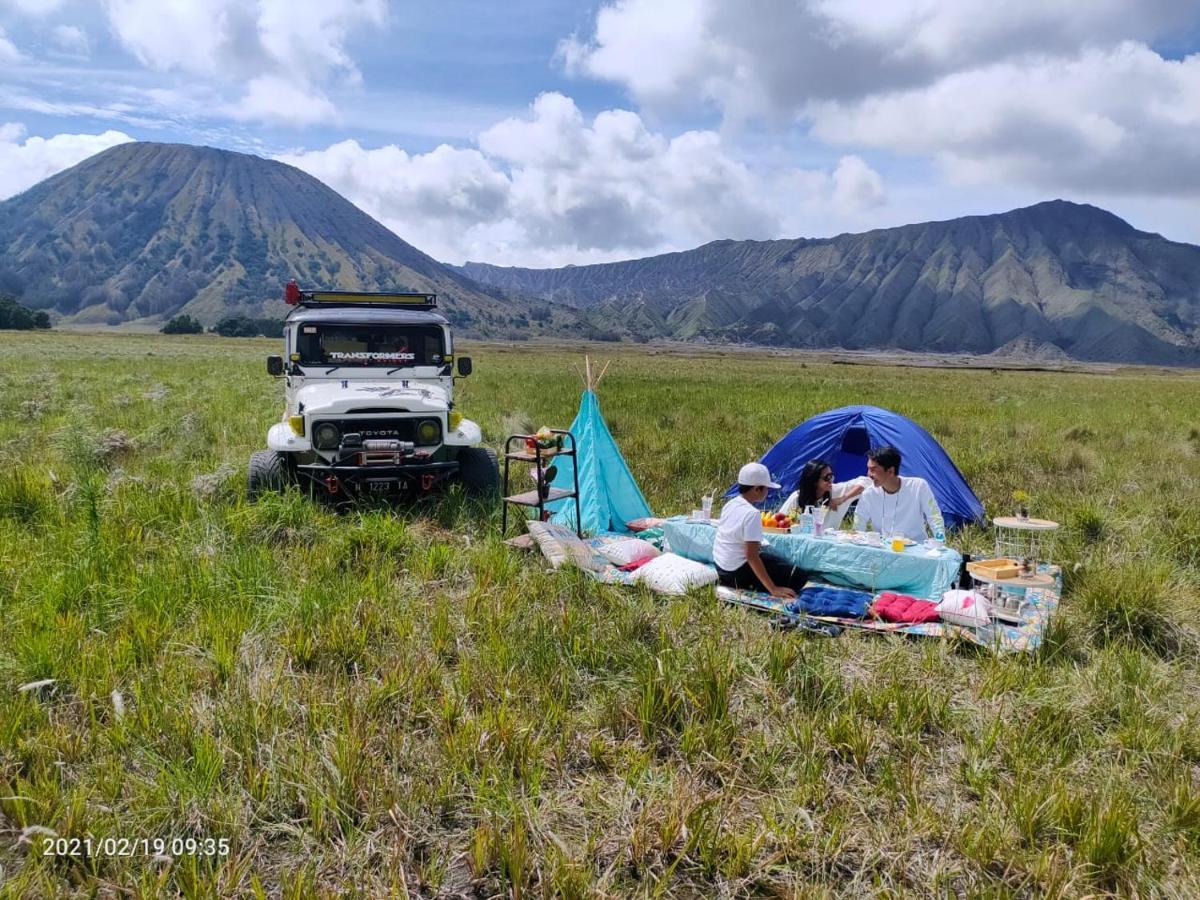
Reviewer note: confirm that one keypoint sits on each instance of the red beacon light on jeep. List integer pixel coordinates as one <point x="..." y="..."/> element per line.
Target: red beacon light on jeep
<point x="291" y="293"/>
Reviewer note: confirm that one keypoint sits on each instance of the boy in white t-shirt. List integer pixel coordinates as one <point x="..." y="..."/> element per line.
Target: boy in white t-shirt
<point x="738" y="544"/>
<point x="895" y="505"/>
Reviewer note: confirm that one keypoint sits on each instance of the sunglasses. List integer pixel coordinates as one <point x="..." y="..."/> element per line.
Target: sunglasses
<point x="828" y="477"/>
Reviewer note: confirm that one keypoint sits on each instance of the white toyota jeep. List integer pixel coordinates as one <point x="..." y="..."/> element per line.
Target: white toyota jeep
<point x="369" y="401"/>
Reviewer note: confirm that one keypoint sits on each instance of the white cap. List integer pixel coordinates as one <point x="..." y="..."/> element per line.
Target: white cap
<point x="755" y="475"/>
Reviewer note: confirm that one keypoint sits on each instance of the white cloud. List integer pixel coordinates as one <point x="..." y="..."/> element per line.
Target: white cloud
<point x="313" y="32"/>
<point x="34" y="8"/>
<point x="8" y="50"/>
<point x="1054" y="94"/>
<point x="139" y="109"/>
<point x="656" y="48"/>
<point x="776" y="56"/>
<point x="189" y="36"/>
<point x="614" y="187"/>
<point x="270" y="98"/>
<point x="71" y="39"/>
<point x="283" y="50"/>
<point x="551" y="188"/>
<point x="24" y="161"/>
<point x="977" y="32"/>
<point x="856" y="186"/>
<point x="1117" y="121"/>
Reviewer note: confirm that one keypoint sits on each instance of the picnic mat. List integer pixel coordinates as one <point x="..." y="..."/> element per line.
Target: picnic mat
<point x="1025" y="637"/>
<point x="608" y="573"/>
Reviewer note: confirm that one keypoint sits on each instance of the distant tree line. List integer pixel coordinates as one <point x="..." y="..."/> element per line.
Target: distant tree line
<point x="246" y="326"/>
<point x="230" y="326"/>
<point x="182" y="325"/>
<point x="22" y="318"/>
<point x="592" y="333"/>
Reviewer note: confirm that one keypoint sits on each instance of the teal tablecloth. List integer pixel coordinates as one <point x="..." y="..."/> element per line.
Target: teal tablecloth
<point x="912" y="572"/>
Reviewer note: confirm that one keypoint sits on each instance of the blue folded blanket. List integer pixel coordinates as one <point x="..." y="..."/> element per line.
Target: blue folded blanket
<point x="830" y="601"/>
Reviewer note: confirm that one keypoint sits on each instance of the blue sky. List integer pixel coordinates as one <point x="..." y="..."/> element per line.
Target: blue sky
<point x="543" y="133"/>
<point x="461" y="66"/>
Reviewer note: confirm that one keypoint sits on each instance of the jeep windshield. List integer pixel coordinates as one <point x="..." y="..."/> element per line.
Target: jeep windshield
<point x="396" y="346"/>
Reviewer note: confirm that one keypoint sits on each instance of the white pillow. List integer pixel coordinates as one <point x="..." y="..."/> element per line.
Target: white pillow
<point x="672" y="574"/>
<point x="968" y="608"/>
<point x="560" y="545"/>
<point x="623" y="551"/>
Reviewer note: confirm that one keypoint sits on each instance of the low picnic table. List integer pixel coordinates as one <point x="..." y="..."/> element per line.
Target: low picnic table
<point x="836" y="560"/>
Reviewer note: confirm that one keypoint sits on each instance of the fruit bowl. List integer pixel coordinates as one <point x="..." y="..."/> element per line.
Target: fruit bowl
<point x="777" y="523"/>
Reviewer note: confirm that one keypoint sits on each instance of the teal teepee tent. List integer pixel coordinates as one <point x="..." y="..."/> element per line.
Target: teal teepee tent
<point x="608" y="494"/>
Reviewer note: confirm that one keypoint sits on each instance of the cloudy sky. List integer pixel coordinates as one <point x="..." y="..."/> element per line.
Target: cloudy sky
<point x="544" y="133"/>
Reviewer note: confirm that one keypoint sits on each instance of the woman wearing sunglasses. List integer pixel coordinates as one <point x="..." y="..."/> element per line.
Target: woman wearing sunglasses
<point x="816" y="487"/>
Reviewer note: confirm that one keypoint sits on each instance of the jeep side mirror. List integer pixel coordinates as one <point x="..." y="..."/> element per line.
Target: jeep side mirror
<point x="275" y="365"/>
<point x="464" y="365"/>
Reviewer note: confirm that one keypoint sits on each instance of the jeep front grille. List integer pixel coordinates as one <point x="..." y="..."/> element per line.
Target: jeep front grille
<point x="394" y="428"/>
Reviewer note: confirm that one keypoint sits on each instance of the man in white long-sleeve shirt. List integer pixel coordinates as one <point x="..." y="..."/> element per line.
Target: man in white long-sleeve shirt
<point x="895" y="505"/>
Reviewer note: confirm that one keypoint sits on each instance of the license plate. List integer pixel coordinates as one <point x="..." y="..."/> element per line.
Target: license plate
<point x="379" y="487"/>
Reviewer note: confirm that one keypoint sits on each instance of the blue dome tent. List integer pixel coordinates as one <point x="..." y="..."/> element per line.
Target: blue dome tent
<point x="842" y="438"/>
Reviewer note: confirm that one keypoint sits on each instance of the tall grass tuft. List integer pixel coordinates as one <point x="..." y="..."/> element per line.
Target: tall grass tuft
<point x="1089" y="523"/>
<point x="1110" y="840"/>
<point x="712" y="682"/>
<point x="1132" y="603"/>
<point x="660" y="704"/>
<point x="26" y="495"/>
<point x="1183" y="810"/>
<point x="1180" y="533"/>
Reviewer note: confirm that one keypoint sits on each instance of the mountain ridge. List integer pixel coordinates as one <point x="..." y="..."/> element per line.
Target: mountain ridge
<point x="145" y="231"/>
<point x="1061" y="274"/>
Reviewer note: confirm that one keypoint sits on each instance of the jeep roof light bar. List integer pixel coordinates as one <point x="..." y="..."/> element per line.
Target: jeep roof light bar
<point x="293" y="296"/>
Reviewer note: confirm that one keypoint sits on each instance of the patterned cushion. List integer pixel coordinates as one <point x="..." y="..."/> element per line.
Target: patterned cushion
<point x="561" y="546"/>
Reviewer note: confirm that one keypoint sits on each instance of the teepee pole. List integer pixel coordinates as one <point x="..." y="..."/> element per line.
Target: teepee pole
<point x="600" y="377"/>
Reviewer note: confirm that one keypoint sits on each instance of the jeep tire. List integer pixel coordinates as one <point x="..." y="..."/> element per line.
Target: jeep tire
<point x="479" y="471"/>
<point x="267" y="473"/>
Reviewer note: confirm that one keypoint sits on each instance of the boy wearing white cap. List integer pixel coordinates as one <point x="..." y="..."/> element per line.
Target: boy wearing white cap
<point x="737" y="547"/>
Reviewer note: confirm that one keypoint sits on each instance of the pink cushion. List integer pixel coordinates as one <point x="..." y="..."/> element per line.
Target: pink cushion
<point x="903" y="608"/>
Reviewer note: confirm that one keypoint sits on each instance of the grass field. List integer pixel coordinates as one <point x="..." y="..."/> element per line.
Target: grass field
<point x="393" y="703"/>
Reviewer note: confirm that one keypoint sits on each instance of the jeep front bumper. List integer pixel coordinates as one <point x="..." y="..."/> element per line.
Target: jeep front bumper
<point x="415" y="477"/>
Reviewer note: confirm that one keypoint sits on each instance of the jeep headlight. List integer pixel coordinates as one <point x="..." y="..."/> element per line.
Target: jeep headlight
<point x="326" y="436"/>
<point x="428" y="431"/>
